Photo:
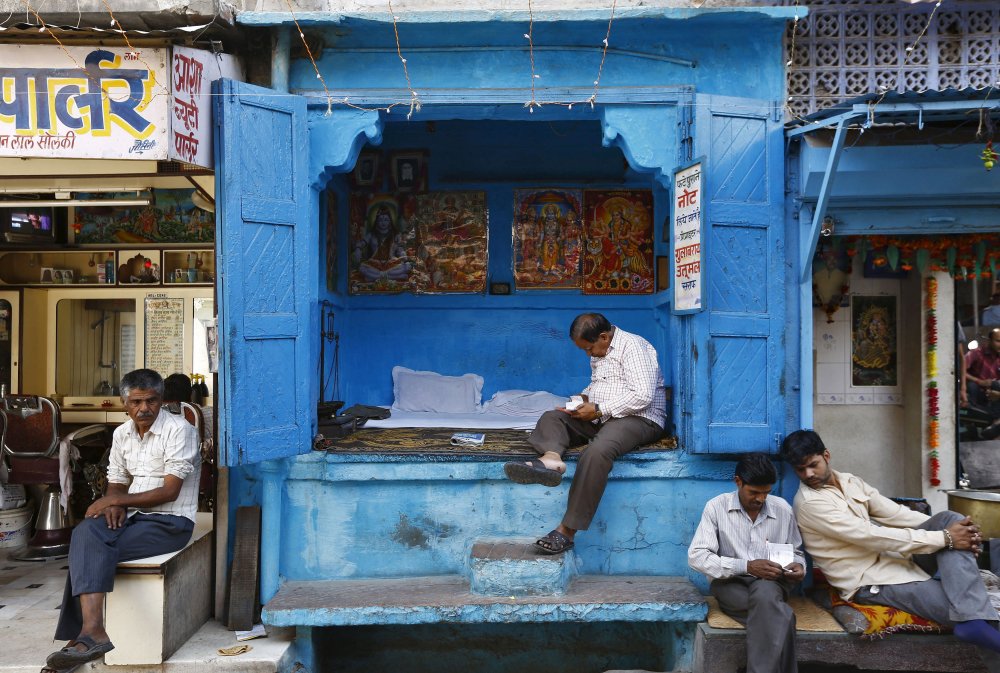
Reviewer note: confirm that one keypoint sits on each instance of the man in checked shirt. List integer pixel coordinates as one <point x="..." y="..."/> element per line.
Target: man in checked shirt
<point x="625" y="406"/>
<point x="148" y="509"/>
<point x="733" y="545"/>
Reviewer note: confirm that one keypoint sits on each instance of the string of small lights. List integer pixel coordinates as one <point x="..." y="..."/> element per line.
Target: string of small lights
<point x="132" y="51"/>
<point x="414" y="98"/>
<point x="305" y="43"/>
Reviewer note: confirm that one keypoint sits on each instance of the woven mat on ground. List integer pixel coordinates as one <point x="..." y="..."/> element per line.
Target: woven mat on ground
<point x="437" y="442"/>
<point x="808" y="616"/>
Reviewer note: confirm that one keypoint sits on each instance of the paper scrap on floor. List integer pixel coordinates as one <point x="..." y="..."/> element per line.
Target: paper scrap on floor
<point x="256" y="632"/>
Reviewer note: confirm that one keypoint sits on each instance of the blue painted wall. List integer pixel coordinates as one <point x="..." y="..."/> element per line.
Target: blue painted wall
<point x="515" y="341"/>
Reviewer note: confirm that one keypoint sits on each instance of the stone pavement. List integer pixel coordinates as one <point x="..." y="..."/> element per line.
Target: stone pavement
<point x="30" y="594"/>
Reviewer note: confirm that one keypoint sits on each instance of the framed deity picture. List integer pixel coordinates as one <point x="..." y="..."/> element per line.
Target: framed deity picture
<point x="408" y="171"/>
<point x="368" y="171"/>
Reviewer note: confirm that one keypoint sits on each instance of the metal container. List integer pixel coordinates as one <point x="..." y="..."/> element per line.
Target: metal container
<point x="982" y="506"/>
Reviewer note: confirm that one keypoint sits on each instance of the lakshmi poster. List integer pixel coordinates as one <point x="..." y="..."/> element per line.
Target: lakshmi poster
<point x="547" y="238"/>
<point x="873" y="341"/>
<point x="434" y="242"/>
<point x="618" y="230"/>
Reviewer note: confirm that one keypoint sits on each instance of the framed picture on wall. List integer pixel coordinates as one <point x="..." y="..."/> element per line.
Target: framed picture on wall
<point x="368" y="171"/>
<point x="408" y="171"/>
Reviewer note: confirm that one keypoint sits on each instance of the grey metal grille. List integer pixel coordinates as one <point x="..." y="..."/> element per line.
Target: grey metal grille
<point x="846" y="49"/>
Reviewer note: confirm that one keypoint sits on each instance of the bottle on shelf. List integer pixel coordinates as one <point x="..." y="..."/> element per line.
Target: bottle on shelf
<point x="109" y="269"/>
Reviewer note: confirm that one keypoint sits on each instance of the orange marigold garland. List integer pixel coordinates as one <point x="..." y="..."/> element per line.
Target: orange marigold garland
<point x="933" y="442"/>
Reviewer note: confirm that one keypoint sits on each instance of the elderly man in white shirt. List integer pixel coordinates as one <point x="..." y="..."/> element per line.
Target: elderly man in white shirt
<point x="148" y="509"/>
<point x="875" y="551"/>
<point x="735" y="546"/>
<point x="625" y="406"/>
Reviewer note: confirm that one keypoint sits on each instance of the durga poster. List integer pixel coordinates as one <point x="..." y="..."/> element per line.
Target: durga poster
<point x="618" y="230"/>
<point x="434" y="242"/>
<point x="547" y="238"/>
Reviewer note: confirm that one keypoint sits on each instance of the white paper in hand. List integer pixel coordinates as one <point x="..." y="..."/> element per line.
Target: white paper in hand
<point x="782" y="554"/>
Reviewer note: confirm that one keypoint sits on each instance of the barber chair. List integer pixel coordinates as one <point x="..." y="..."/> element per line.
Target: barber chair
<point x="30" y="444"/>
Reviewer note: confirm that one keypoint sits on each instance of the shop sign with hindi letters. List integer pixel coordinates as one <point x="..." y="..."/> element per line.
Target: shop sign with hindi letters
<point x="83" y="102"/>
<point x="192" y="72"/>
<point x="109" y="102"/>
<point x="687" y="220"/>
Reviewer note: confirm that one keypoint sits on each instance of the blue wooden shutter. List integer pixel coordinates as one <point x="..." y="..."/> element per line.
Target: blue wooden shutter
<point x="267" y="281"/>
<point x="736" y="355"/>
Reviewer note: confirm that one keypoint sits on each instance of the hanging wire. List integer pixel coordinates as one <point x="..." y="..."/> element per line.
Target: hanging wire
<point x="530" y="35"/>
<point x="132" y="50"/>
<point x="319" y="76"/>
<point x="604" y="55"/>
<point x="414" y="99"/>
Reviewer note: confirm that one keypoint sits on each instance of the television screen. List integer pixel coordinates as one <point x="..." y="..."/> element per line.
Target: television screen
<point x="29" y="222"/>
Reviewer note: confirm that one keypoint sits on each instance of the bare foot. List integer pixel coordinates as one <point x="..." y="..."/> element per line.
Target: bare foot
<point x="553" y="461"/>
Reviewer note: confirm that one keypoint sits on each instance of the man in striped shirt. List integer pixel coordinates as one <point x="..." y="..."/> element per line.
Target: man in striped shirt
<point x="624" y="407"/>
<point x="148" y="509"/>
<point x="735" y="546"/>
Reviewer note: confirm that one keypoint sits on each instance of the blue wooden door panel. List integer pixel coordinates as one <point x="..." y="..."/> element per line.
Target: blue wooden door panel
<point x="736" y="363"/>
<point x="268" y="273"/>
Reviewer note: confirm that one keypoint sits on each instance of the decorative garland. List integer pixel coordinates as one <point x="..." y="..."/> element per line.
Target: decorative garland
<point x="961" y="255"/>
<point x="933" y="442"/>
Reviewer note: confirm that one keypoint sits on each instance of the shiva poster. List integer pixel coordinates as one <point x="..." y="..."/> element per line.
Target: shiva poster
<point x="434" y="242"/>
<point x="618" y="230"/>
<point x="382" y="246"/>
<point x="874" y="347"/>
<point x="548" y="235"/>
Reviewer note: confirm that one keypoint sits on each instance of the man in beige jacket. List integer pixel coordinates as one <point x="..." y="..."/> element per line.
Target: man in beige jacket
<point x="875" y="551"/>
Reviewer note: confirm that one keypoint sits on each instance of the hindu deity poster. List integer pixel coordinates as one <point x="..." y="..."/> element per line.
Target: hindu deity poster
<point x="873" y="341"/>
<point x="618" y="234"/>
<point x="548" y="244"/>
<point x="172" y="219"/>
<point x="434" y="242"/>
<point x="451" y="240"/>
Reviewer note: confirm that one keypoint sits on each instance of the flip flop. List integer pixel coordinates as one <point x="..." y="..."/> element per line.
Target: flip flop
<point x="554" y="543"/>
<point x="69" y="656"/>
<point x="533" y="472"/>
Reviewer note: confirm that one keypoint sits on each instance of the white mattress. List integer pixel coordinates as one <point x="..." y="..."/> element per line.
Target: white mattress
<point x="481" y="420"/>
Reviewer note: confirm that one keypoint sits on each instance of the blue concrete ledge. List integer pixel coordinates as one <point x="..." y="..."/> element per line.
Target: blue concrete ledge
<point x="447" y="598"/>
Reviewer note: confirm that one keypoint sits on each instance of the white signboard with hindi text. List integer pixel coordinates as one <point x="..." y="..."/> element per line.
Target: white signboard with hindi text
<point x="687" y="221"/>
<point x="191" y="75"/>
<point x="83" y="102"/>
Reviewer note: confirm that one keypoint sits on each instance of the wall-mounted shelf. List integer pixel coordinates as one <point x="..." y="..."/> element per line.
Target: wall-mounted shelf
<point x="87" y="267"/>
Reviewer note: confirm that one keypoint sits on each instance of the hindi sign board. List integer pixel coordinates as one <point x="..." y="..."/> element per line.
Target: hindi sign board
<point x="164" y="344"/>
<point x="687" y="221"/>
<point x="83" y="102"/>
<point x="191" y="75"/>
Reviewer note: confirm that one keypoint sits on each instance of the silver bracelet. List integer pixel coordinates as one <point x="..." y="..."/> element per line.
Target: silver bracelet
<point x="948" y="538"/>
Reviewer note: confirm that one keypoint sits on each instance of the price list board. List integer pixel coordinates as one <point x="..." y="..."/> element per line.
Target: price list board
<point x="164" y="349"/>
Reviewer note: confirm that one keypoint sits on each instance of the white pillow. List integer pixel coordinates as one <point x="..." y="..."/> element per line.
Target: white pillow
<point x="430" y="391"/>
<point x="524" y="402"/>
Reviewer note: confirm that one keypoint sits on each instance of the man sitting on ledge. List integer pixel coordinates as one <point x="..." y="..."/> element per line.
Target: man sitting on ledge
<point x="877" y="552"/>
<point x="149" y="508"/>
<point x="624" y="407"/>
<point x="733" y="547"/>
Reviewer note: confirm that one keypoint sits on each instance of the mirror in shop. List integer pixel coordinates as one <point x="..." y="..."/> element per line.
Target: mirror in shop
<point x="204" y="341"/>
<point x="95" y="345"/>
<point x="6" y="356"/>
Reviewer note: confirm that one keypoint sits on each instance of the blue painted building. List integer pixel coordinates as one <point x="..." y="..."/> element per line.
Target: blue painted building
<point x="495" y="112"/>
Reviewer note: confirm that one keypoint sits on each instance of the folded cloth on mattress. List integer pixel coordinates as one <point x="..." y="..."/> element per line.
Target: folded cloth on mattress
<point x="523" y="402"/>
<point x="475" y="421"/>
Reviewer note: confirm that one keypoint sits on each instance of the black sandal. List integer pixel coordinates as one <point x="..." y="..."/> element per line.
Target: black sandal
<point x="532" y="472"/>
<point x="554" y="543"/>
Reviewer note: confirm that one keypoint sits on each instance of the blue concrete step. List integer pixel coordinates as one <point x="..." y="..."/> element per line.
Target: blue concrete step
<point x="448" y="598"/>
<point x="516" y="567"/>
